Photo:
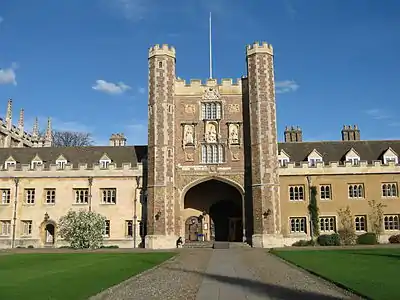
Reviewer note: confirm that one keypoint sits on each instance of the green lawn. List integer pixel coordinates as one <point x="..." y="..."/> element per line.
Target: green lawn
<point x="373" y="273"/>
<point x="69" y="276"/>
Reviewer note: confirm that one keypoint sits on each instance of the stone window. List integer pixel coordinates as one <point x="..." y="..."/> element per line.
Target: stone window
<point x="298" y="225"/>
<point x="9" y="163"/>
<point x="356" y="191"/>
<point x="391" y="222"/>
<point x="5" y="227"/>
<point x="212" y="154"/>
<point x="327" y="224"/>
<point x="106" y="232"/>
<point x="109" y="196"/>
<point x="129" y="228"/>
<point x="5" y="196"/>
<point x="312" y="162"/>
<point x="296" y="193"/>
<point x="50" y="196"/>
<point x="211" y="110"/>
<point x="160" y="64"/>
<point x="389" y="190"/>
<point x="360" y="223"/>
<point x="35" y="164"/>
<point x="325" y="192"/>
<point x="354" y="161"/>
<point x="30" y="196"/>
<point x="61" y="164"/>
<point x="26" y="228"/>
<point x="283" y="162"/>
<point x="104" y="163"/>
<point x="81" y="196"/>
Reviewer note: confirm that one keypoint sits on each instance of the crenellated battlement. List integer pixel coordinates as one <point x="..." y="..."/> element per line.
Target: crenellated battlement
<point x="164" y="49"/>
<point x="197" y="86"/>
<point x="28" y="170"/>
<point x="258" y="47"/>
<point x="334" y="168"/>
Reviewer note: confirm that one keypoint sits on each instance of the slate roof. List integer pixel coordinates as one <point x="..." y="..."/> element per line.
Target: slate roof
<point x="75" y="155"/>
<point x="333" y="151"/>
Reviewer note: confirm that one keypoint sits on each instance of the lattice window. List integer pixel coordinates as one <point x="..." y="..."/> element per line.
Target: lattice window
<point x="5" y="196"/>
<point x="360" y="223"/>
<point x="50" y="196"/>
<point x="212" y="154"/>
<point x="109" y="196"/>
<point x="30" y="196"/>
<point x="356" y="191"/>
<point x="296" y="193"/>
<point x="211" y="110"/>
<point x="389" y="190"/>
<point x="298" y="225"/>
<point x="325" y="192"/>
<point x="27" y="228"/>
<point x="5" y="227"/>
<point x="327" y="224"/>
<point x="81" y="196"/>
<point x="391" y="222"/>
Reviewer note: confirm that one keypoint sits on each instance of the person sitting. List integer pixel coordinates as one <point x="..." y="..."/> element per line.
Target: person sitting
<point x="179" y="242"/>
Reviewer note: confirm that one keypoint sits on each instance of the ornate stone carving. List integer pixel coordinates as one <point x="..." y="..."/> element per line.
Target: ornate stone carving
<point x="235" y="155"/>
<point x="189" y="156"/>
<point x="211" y="132"/>
<point x="211" y="94"/>
<point x="190" y="109"/>
<point x="233" y="134"/>
<point x="188" y="135"/>
<point x="234" y="108"/>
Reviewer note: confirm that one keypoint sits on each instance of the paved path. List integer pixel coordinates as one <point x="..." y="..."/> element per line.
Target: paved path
<point x="253" y="274"/>
<point x="231" y="274"/>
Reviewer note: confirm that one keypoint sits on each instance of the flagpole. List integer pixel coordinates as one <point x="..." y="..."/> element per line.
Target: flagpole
<point x="210" y="43"/>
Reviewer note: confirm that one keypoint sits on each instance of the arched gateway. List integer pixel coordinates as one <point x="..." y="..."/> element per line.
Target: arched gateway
<point x="213" y="210"/>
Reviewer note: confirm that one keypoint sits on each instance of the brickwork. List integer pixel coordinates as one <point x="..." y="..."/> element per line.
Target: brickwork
<point x="264" y="147"/>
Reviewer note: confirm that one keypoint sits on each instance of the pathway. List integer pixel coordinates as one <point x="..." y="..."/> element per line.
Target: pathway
<point x="234" y="274"/>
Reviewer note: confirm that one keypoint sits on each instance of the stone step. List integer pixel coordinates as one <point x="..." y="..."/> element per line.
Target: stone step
<point x="198" y="245"/>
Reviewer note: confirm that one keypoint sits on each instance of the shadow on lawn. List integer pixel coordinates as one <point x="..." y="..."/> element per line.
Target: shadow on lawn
<point x="263" y="289"/>
<point x="393" y="256"/>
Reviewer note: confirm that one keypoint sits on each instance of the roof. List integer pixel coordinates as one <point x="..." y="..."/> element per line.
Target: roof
<point x="336" y="150"/>
<point x="75" y="155"/>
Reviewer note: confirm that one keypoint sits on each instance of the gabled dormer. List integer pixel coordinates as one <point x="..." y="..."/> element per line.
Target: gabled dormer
<point x="314" y="157"/>
<point x="390" y="155"/>
<point x="61" y="161"/>
<point x="353" y="157"/>
<point x="36" y="161"/>
<point x="10" y="161"/>
<point x="104" y="161"/>
<point x="283" y="158"/>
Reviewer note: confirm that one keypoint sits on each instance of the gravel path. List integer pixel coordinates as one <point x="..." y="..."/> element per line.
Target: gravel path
<point x="166" y="281"/>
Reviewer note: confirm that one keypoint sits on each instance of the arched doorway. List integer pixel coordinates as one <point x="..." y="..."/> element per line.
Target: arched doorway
<point x="220" y="208"/>
<point x="49" y="234"/>
<point x="192" y="229"/>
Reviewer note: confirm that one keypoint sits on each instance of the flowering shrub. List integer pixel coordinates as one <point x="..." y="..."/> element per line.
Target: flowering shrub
<point x="82" y="229"/>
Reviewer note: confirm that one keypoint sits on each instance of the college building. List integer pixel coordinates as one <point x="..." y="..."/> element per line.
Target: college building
<point x="213" y="169"/>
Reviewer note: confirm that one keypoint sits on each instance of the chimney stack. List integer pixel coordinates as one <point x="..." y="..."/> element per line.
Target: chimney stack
<point x="117" y="139"/>
<point x="350" y="133"/>
<point x="293" y="134"/>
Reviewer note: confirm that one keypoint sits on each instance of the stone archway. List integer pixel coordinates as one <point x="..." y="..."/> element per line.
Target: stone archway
<point x="48" y="233"/>
<point x="220" y="206"/>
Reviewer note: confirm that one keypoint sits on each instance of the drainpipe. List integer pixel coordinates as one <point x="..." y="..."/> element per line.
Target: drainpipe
<point x="137" y="189"/>
<point x="90" y="180"/>
<point x="16" y="181"/>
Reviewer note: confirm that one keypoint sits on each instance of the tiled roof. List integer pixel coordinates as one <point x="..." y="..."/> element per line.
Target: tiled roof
<point x="336" y="150"/>
<point x="75" y="155"/>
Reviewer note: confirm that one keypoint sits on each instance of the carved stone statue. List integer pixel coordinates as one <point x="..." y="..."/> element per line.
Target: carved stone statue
<point x="211" y="133"/>
<point x="188" y="135"/>
<point x="233" y="134"/>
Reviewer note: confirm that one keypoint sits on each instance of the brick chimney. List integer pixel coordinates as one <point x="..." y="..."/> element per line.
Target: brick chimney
<point x="293" y="134"/>
<point x="350" y="133"/>
<point x="117" y="139"/>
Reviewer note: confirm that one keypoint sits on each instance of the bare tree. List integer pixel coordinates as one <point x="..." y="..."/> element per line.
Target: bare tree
<point x="70" y="138"/>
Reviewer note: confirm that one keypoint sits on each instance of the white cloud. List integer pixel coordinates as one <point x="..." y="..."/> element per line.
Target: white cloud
<point x="377" y="114"/>
<point x="286" y="86"/>
<point x="8" y="75"/>
<point x="142" y="90"/>
<point x="110" y="87"/>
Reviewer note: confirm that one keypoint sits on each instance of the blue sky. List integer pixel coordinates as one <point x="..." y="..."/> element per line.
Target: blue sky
<point x="336" y="61"/>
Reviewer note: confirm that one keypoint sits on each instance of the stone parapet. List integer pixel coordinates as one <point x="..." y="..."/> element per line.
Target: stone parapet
<point x="160" y="241"/>
<point x="162" y="50"/>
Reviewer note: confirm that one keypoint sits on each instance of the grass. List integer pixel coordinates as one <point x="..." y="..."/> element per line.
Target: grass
<point x="68" y="276"/>
<point x="372" y="273"/>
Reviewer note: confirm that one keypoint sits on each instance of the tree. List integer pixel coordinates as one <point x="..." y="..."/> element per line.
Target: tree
<point x="70" y="138"/>
<point x="376" y="217"/>
<point x="82" y="229"/>
<point x="346" y="230"/>
<point x="314" y="211"/>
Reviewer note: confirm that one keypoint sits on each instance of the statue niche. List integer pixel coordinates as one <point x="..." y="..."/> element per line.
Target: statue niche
<point x="233" y="134"/>
<point x="211" y="133"/>
<point x="188" y="135"/>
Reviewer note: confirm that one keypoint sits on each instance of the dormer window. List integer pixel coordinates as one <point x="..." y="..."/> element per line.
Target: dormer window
<point x="283" y="158"/>
<point x="313" y="158"/>
<point x="390" y="156"/>
<point x="61" y="164"/>
<point x="9" y="163"/>
<point x="104" y="163"/>
<point x="352" y="157"/>
<point x="34" y="164"/>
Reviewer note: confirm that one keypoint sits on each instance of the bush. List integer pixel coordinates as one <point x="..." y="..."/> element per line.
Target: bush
<point x="329" y="240"/>
<point x="110" y="247"/>
<point x="368" y="238"/>
<point x="347" y="236"/>
<point x="303" y="243"/>
<point x="395" y="239"/>
<point x="31" y="247"/>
